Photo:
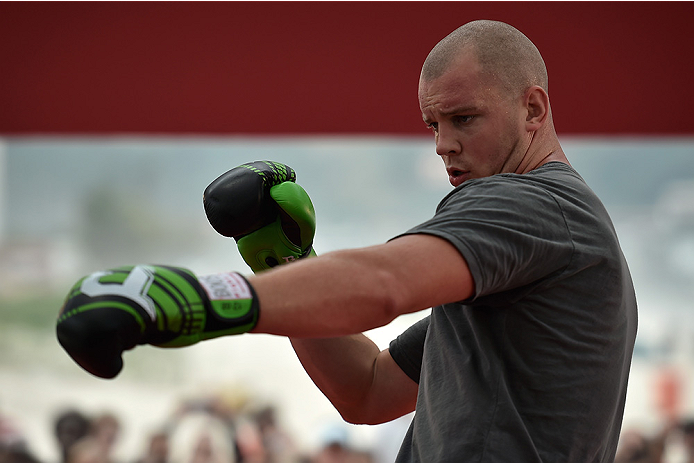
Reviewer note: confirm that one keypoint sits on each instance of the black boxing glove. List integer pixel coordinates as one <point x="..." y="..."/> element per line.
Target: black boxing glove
<point x="109" y="312"/>
<point x="271" y="217"/>
<point x="238" y="202"/>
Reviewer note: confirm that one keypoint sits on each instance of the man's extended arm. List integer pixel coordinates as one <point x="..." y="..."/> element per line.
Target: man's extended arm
<point x="352" y="291"/>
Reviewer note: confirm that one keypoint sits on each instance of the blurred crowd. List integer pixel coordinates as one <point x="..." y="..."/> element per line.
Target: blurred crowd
<point x="199" y="431"/>
<point x="674" y="443"/>
<point x="673" y="440"/>
<point x="211" y="430"/>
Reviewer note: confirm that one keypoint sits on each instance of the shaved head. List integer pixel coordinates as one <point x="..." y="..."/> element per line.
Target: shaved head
<point x="502" y="51"/>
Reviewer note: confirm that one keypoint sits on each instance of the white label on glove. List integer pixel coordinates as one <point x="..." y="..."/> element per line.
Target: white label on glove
<point x="135" y="287"/>
<point x="225" y="286"/>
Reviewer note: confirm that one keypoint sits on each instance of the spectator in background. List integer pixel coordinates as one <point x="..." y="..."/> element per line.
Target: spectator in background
<point x="336" y="452"/>
<point x="687" y="429"/>
<point x="200" y="437"/>
<point x="70" y="426"/>
<point x="16" y="455"/>
<point x="336" y="448"/>
<point x="105" y="430"/>
<point x="279" y="446"/>
<point x="13" y="446"/>
<point x="86" y="450"/>
<point x="157" y="449"/>
<point x="636" y="447"/>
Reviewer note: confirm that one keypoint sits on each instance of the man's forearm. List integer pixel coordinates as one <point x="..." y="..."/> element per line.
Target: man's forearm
<point x="363" y="383"/>
<point x="336" y="294"/>
<point x="342" y="368"/>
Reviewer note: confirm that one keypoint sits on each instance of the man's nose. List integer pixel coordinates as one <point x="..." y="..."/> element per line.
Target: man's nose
<point x="446" y="142"/>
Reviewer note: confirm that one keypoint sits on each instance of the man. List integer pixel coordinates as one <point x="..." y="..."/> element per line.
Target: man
<point x="526" y="354"/>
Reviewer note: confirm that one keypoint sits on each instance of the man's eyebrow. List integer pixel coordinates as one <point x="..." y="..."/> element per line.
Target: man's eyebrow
<point x="454" y="110"/>
<point x="459" y="110"/>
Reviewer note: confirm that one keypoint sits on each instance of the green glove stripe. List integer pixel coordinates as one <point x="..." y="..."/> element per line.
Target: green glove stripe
<point x="172" y="290"/>
<point x="283" y="172"/>
<point x="279" y="172"/>
<point x="75" y="290"/>
<point x="178" y="306"/>
<point x="110" y="303"/>
<point x="118" y="276"/>
<point x="164" y="298"/>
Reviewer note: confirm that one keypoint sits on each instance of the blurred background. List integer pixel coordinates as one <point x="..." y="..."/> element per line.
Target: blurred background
<point x="114" y="117"/>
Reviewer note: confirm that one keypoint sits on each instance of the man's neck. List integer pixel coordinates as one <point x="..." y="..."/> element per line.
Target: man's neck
<point x="544" y="147"/>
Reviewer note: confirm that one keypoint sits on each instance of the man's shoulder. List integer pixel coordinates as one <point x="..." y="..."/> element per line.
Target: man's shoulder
<point x="499" y="190"/>
<point x="541" y="184"/>
<point x="551" y="173"/>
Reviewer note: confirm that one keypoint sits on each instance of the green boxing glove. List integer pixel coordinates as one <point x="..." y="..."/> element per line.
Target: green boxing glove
<point x="289" y="237"/>
<point x="271" y="217"/>
<point x="109" y="312"/>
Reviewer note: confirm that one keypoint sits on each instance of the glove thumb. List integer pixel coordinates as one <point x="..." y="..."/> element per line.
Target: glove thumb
<point x="297" y="214"/>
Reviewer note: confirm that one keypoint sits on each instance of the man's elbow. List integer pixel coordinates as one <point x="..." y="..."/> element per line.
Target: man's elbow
<point x="363" y="416"/>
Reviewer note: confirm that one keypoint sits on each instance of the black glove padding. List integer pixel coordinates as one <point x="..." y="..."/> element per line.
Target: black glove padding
<point x="96" y="339"/>
<point x="238" y="202"/>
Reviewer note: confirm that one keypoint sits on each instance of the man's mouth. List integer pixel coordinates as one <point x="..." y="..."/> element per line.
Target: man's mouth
<point x="457" y="176"/>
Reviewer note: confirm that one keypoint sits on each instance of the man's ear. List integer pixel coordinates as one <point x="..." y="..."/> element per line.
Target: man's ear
<point x="537" y="105"/>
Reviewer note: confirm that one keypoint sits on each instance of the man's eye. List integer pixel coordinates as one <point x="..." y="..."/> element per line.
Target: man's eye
<point x="463" y="119"/>
<point x="433" y="126"/>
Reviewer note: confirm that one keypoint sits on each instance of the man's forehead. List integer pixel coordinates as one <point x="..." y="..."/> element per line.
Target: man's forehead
<point x="452" y="91"/>
<point x="463" y="69"/>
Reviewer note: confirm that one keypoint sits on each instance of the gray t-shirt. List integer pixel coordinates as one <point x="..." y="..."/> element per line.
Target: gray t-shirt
<point x="534" y="366"/>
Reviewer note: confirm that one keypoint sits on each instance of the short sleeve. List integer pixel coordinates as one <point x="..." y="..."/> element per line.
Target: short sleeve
<point x="510" y="233"/>
<point x="408" y="348"/>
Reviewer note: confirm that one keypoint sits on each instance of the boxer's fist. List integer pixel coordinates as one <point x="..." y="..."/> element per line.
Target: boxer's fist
<point x="109" y="312"/>
<point x="289" y="237"/>
<point x="238" y="202"/>
<point x="259" y="205"/>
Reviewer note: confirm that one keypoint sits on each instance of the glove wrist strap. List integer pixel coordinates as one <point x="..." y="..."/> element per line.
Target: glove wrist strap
<point x="233" y="306"/>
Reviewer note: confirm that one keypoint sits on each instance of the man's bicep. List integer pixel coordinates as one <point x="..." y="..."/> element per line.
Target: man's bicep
<point x="431" y="271"/>
<point x="393" y="393"/>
